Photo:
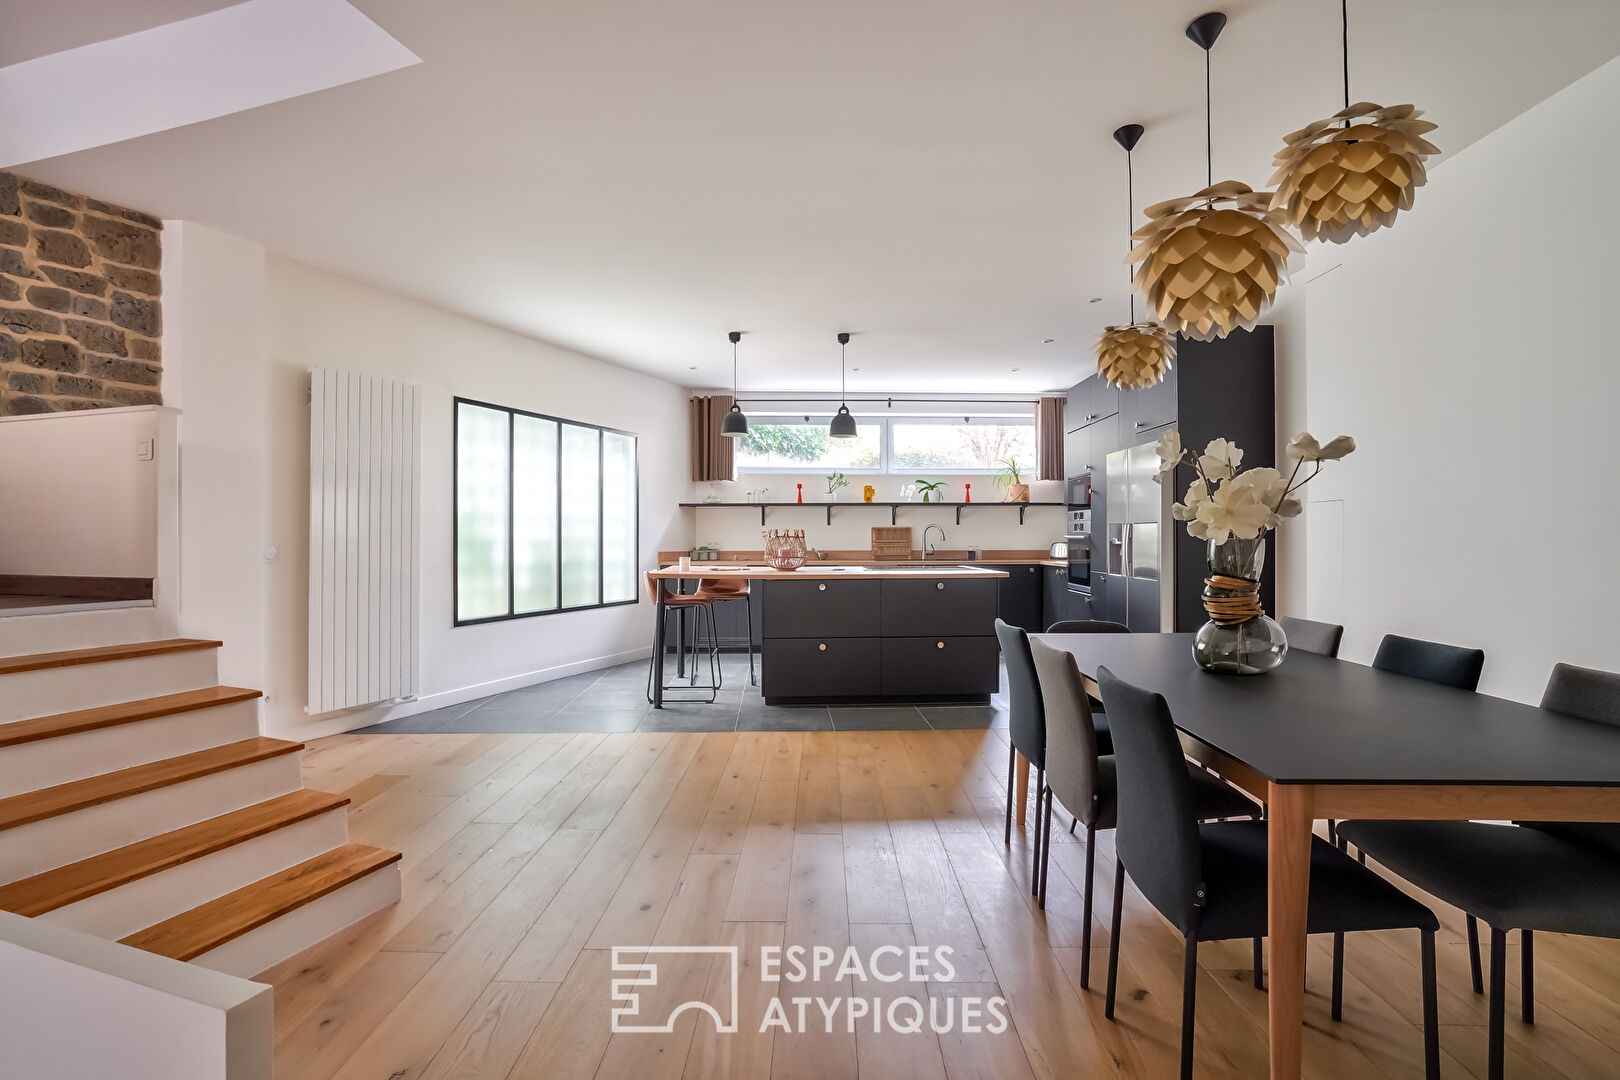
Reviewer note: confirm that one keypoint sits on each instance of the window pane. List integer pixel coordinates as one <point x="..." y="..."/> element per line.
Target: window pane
<point x="481" y="494"/>
<point x="534" y="514"/>
<point x="957" y="447"/>
<point x="807" y="446"/>
<point x="581" y="495"/>
<point x="618" y="518"/>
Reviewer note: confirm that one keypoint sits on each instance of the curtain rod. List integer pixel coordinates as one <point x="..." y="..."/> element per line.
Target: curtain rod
<point x="886" y="399"/>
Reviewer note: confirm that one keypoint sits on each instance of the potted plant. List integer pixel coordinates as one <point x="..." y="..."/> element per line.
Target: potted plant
<point x="1010" y="477"/>
<point x="1233" y="508"/>
<point x="932" y="490"/>
<point x="835" y="481"/>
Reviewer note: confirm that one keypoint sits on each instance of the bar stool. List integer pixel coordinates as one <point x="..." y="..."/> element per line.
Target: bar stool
<point x="722" y="590"/>
<point x="700" y="604"/>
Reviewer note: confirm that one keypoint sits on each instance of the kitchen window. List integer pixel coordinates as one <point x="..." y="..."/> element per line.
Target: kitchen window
<point x="887" y="444"/>
<point x="546" y="514"/>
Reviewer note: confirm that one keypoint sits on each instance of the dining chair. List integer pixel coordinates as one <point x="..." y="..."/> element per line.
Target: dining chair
<point x="1099" y="718"/>
<point x="701" y="606"/>
<point x="1587" y="694"/>
<point x="721" y="590"/>
<point x="1311" y="636"/>
<point x="1086" y="783"/>
<point x="1026" y="731"/>
<point x="1210" y="881"/>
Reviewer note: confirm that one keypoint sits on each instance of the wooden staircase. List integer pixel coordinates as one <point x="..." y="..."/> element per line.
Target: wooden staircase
<point x="139" y="803"/>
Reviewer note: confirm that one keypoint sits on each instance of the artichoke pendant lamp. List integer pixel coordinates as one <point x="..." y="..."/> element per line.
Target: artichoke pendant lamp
<point x="1350" y="174"/>
<point x="1134" y="356"/>
<point x="1212" y="262"/>
<point x="735" y="424"/>
<point x="843" y="424"/>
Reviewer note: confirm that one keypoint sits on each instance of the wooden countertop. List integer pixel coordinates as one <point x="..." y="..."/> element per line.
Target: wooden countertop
<point x="860" y="557"/>
<point x="827" y="572"/>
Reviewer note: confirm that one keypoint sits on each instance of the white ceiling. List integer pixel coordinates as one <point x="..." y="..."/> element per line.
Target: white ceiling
<point x="35" y="29"/>
<point x="633" y="178"/>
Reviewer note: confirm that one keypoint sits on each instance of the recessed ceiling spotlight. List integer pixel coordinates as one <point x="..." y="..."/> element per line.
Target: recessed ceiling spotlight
<point x="1013" y="369"/>
<point x="1095" y="300"/>
<point x="691" y="367"/>
<point x="1046" y="341"/>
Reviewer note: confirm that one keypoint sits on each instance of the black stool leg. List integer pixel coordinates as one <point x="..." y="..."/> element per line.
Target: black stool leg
<point x="1338" y="976"/>
<point x="748" y="603"/>
<point x="1085" y="929"/>
<point x="1493" y="1067"/>
<point x="1012" y="786"/>
<point x="1473" y="955"/>
<point x="1431" y="1012"/>
<point x="1527" y="976"/>
<point x="1113" y="937"/>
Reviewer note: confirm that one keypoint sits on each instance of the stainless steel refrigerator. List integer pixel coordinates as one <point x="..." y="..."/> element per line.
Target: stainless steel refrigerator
<point x="1139" y="569"/>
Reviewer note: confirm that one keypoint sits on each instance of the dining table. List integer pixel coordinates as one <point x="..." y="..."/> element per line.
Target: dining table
<point x="1320" y="738"/>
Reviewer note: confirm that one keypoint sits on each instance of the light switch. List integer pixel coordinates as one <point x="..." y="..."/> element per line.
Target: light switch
<point x="145" y="449"/>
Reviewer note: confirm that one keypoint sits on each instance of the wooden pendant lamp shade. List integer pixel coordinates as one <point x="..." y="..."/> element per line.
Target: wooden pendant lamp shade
<point x="1335" y="182"/>
<point x="1135" y="357"/>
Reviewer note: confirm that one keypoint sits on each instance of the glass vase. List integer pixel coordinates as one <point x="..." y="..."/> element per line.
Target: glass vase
<point x="1239" y="639"/>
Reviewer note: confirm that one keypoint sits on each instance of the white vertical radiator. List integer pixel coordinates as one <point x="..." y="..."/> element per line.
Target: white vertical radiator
<point x="364" y="434"/>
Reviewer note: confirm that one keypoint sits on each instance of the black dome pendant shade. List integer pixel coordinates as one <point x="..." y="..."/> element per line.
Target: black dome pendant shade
<point x="843" y="424"/>
<point x="735" y="424"/>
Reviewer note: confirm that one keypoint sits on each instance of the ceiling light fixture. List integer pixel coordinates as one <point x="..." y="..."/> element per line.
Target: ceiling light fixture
<point x="735" y="424"/>
<point x="1137" y="355"/>
<point x="1336" y="180"/>
<point x="843" y="424"/>
<point x="1212" y="261"/>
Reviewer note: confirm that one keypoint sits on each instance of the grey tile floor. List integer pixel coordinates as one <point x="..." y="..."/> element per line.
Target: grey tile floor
<point x="615" y="699"/>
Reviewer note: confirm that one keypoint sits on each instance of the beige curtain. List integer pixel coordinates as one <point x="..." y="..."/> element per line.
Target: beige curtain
<point x="712" y="457"/>
<point x="1049" y="437"/>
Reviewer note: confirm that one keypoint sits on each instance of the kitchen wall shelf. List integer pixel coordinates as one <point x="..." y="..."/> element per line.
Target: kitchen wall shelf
<point x="893" y="507"/>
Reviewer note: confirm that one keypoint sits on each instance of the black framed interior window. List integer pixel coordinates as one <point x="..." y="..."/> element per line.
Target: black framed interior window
<point x="546" y="514"/>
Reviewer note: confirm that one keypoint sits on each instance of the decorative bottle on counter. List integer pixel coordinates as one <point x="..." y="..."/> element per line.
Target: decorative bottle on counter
<point x="967" y="492"/>
<point x="801" y="491"/>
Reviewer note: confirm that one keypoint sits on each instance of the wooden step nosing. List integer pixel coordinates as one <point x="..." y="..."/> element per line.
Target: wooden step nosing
<point x="73" y="892"/>
<point x="264" y="750"/>
<point x="101" y="717"/>
<point x="13" y="665"/>
<point x="367" y="861"/>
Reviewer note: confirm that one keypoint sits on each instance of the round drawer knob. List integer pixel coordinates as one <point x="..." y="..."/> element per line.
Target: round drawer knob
<point x="822" y="646"/>
<point x="939" y="644"/>
<point x="822" y="586"/>
<point x="939" y="585"/>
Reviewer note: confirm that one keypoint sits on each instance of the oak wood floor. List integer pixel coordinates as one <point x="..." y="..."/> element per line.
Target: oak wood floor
<point x="527" y="857"/>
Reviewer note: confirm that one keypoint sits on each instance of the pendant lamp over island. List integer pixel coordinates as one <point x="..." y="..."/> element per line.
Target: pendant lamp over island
<point x="843" y="424"/>
<point x="1350" y="174"/>
<point x="735" y="424"/>
<point x="1212" y="262"/>
<point x="1137" y="355"/>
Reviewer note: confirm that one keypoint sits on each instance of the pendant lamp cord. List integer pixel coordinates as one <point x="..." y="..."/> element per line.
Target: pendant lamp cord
<point x="1130" y="223"/>
<point x="843" y="388"/>
<point x="1209" y="137"/>
<point x="1344" y="29"/>
<point x="734" y="373"/>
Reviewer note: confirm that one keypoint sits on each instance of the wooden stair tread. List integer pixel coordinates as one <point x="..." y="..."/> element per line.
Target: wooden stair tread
<point x="10" y="665"/>
<point x="69" y="884"/>
<point x="78" y="794"/>
<point x="208" y="926"/>
<point x="127" y="712"/>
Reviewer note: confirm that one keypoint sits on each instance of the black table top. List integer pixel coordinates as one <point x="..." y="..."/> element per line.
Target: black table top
<point x="1317" y="720"/>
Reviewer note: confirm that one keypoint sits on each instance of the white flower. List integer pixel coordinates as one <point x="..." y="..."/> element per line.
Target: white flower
<point x="1304" y="447"/>
<point x="1197" y="496"/>
<point x="1169" y="451"/>
<point x="1241" y="507"/>
<point x="1221" y="460"/>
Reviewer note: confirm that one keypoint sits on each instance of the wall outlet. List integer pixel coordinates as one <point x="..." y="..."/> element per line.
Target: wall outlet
<point x="145" y="449"/>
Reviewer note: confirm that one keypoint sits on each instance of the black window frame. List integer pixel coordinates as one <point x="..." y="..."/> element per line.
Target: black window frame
<point x="511" y="503"/>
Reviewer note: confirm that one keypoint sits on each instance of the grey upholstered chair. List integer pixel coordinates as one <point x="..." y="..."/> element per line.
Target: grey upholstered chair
<point x="1311" y="636"/>
<point x="1099" y="719"/>
<point x="1590" y="695"/>
<point x="1026" y="731"/>
<point x="1210" y="880"/>
<point x="1085" y="783"/>
<point x="1449" y="665"/>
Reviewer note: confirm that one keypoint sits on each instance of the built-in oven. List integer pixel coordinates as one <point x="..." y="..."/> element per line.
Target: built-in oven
<point x="1077" y="491"/>
<point x="1079" y="540"/>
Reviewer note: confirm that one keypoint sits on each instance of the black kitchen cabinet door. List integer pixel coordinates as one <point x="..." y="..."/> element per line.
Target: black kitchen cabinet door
<point x="1020" y="597"/>
<point x="1076" y="451"/>
<point x="1055" y="604"/>
<point x="939" y="607"/>
<point x="817" y="609"/>
<point x="938" y="667"/>
<point x="1143" y="409"/>
<point x="821" y="668"/>
<point x="1114" y="591"/>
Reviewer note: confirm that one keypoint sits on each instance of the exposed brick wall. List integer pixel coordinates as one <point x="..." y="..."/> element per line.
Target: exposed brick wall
<point x="80" y="308"/>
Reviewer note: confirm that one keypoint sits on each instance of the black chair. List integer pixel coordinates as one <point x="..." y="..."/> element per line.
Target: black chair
<point x="1026" y="730"/>
<point x="1449" y="665"/>
<point x="1086" y="783"/>
<point x="1550" y="875"/>
<point x="1312" y="637"/>
<point x="1099" y="719"/>
<point x="1210" y="880"/>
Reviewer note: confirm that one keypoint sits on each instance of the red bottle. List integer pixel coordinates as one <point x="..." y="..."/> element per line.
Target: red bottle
<point x="801" y="491"/>
<point x="969" y="496"/>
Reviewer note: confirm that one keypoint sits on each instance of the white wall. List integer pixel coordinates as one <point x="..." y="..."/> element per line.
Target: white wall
<point x="77" y="498"/>
<point x="316" y="319"/>
<point x="1469" y="351"/>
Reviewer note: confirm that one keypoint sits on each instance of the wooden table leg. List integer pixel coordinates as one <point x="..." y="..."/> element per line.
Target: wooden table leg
<point x="1289" y="816"/>
<point x="1021" y="793"/>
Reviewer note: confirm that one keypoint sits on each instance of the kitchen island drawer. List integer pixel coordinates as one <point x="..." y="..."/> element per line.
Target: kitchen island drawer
<point x="933" y="667"/>
<point x="823" y="609"/>
<point x="943" y="607"/>
<point x="821" y="668"/>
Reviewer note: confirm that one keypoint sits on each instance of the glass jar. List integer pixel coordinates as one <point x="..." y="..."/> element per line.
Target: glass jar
<point x="1244" y="641"/>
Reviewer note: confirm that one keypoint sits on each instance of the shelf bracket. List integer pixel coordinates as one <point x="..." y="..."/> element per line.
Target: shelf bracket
<point x="959" y="513"/>
<point x="762" y="515"/>
<point x="894" y="514"/>
<point x="829" y="515"/>
<point x="1021" y="508"/>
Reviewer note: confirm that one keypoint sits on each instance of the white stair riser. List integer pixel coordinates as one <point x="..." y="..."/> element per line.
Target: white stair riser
<point x="31" y="766"/>
<point x="119" y="912"/>
<point x="47" y="691"/>
<point x="302" y="927"/>
<point x="44" y="845"/>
